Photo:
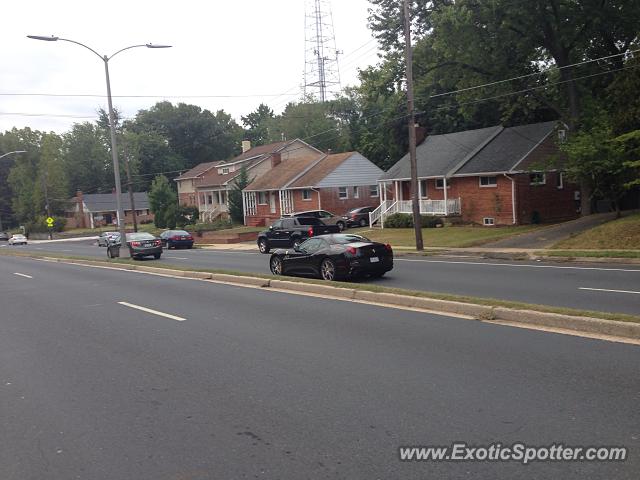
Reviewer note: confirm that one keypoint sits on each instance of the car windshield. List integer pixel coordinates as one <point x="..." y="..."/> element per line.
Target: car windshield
<point x="348" y="238"/>
<point x="140" y="236"/>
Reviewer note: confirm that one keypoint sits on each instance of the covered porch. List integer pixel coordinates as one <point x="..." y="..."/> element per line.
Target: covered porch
<point x="212" y="204"/>
<point x="392" y="194"/>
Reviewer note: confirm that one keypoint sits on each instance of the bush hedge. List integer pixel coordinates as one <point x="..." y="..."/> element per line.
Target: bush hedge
<point x="405" y="220"/>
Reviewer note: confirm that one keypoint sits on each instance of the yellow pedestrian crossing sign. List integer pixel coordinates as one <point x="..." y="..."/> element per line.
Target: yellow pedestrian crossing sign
<point x="50" y="222"/>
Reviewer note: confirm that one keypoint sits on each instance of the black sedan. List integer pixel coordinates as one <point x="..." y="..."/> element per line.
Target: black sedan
<point x="334" y="257"/>
<point x="144" y="244"/>
<point x="176" y="239"/>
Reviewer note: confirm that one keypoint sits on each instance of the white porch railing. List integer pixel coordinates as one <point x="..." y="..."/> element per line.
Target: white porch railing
<point x="450" y="206"/>
<point x="210" y="212"/>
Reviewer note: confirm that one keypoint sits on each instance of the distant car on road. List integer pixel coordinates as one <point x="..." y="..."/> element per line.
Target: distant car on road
<point x="327" y="218"/>
<point x="107" y="238"/>
<point x="176" y="239"/>
<point x="358" y="217"/>
<point x="4" y="237"/>
<point x="334" y="257"/>
<point x="291" y="231"/>
<point x="144" y="244"/>
<point x="18" y="239"/>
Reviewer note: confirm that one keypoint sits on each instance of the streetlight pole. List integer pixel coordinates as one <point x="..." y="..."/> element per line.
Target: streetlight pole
<point x="112" y="126"/>
<point x="1" y="157"/>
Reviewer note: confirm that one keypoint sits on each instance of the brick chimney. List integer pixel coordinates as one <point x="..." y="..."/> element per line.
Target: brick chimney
<point x="421" y="134"/>
<point x="276" y="158"/>
<point x="246" y="145"/>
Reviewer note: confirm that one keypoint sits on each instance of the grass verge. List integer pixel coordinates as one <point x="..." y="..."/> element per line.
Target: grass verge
<point x="591" y="253"/>
<point x="620" y="234"/>
<point x="453" y="236"/>
<point x="357" y="286"/>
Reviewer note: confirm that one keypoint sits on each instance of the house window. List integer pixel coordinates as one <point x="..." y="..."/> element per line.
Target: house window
<point x="373" y="191"/>
<point x="423" y="189"/>
<point x="342" y="193"/>
<point x="487" y="221"/>
<point x="225" y="170"/>
<point x="440" y="184"/>
<point x="210" y="199"/>
<point x="306" y="194"/>
<point x="537" y="178"/>
<point x="559" y="181"/>
<point x="488" y="181"/>
<point x="356" y="192"/>
<point x="262" y="198"/>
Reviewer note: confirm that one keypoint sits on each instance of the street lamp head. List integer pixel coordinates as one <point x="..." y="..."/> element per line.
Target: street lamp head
<point x="41" y="37"/>
<point x="151" y="45"/>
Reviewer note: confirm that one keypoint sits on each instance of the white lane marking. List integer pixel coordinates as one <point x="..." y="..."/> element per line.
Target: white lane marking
<point x="154" y="312"/>
<point x="22" y="275"/>
<point x="607" y="290"/>
<point x="521" y="266"/>
<point x="176" y="258"/>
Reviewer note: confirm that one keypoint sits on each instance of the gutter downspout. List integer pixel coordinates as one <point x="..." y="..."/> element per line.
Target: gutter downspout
<point x="319" y="200"/>
<point x="513" y="197"/>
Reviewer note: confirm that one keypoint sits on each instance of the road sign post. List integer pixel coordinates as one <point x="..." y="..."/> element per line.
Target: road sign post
<point x="50" y="222"/>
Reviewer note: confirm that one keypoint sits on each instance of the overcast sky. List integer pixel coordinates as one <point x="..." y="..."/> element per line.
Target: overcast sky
<point x="251" y="48"/>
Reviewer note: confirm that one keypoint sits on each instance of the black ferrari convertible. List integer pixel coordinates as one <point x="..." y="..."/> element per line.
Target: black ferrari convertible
<point x="334" y="257"/>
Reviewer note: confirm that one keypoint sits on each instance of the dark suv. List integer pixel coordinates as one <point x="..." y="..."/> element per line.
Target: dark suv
<point x="292" y="231"/>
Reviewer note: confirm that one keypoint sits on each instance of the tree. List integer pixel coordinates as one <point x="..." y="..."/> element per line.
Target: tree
<point x="597" y="158"/>
<point x="257" y="124"/>
<point x="236" y="210"/>
<point x="194" y="134"/>
<point x="163" y="202"/>
<point x="87" y="159"/>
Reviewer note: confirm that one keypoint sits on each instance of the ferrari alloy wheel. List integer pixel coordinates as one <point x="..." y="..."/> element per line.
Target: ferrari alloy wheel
<point x="328" y="269"/>
<point x="276" y="265"/>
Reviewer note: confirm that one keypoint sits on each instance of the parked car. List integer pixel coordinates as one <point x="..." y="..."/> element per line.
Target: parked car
<point x="107" y="238"/>
<point x="291" y="231"/>
<point x="176" y="239"/>
<point x="358" y="217"/>
<point x="144" y="244"/>
<point x="18" y="239"/>
<point x="334" y="257"/>
<point x="327" y="218"/>
<point x="4" y="237"/>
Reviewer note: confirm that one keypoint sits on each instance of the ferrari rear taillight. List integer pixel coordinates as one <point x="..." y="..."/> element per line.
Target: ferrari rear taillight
<point x="388" y="247"/>
<point x="352" y="250"/>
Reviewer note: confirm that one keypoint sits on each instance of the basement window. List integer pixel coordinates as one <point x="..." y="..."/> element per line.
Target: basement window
<point x="488" y="221"/>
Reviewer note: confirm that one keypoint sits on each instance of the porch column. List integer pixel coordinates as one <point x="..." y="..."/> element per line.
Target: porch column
<point x="219" y="198"/>
<point x="446" y="210"/>
<point x="396" y="184"/>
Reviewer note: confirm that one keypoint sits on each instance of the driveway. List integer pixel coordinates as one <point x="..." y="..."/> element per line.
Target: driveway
<point x="547" y="237"/>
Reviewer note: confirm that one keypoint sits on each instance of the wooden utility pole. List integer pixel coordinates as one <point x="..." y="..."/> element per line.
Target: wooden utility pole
<point x="130" y="188"/>
<point x="415" y="200"/>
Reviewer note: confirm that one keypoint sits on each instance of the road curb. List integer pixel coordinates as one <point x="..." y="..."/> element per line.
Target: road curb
<point x="589" y="325"/>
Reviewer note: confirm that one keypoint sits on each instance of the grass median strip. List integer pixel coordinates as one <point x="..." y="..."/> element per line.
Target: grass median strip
<point x="487" y="302"/>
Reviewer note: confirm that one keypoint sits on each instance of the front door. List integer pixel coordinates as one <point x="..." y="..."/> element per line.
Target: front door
<point x="272" y="201"/>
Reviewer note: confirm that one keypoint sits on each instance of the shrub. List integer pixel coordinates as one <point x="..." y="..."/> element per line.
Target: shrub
<point x="405" y="220"/>
<point x="39" y="225"/>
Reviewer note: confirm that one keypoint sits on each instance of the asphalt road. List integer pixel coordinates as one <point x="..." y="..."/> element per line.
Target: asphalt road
<point x="598" y="287"/>
<point x="247" y="383"/>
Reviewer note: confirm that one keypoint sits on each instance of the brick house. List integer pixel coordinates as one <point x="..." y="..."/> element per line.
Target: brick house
<point x="489" y="176"/>
<point x="334" y="182"/>
<point x="99" y="209"/>
<point x="207" y="185"/>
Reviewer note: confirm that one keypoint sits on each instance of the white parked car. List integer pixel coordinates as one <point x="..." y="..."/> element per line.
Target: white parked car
<point x="18" y="239"/>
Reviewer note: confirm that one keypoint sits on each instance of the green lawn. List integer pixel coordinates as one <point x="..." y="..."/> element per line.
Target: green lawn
<point x="452" y="236"/>
<point x="620" y="234"/>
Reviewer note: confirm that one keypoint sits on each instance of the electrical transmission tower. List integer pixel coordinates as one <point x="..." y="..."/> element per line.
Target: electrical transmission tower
<point x="321" y="72"/>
